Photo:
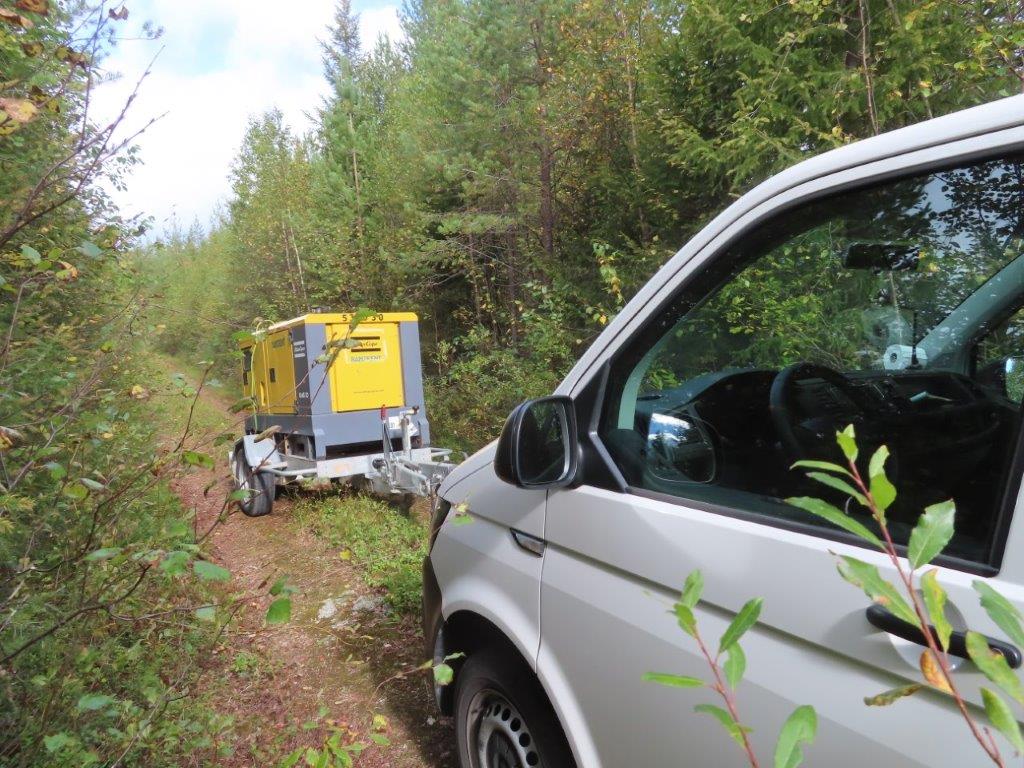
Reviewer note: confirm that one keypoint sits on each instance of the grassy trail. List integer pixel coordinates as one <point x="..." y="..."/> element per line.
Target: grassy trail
<point x="293" y="685"/>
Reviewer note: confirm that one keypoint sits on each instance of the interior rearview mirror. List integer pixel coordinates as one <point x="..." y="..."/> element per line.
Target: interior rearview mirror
<point x="895" y="257"/>
<point x="538" y="446"/>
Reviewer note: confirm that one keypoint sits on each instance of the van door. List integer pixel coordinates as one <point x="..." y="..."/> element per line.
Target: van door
<point x="813" y="320"/>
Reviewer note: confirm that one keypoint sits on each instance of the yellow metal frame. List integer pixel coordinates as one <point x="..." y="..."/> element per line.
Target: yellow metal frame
<point x="344" y="318"/>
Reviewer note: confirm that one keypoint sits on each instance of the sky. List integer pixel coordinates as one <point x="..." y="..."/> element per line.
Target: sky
<point x="217" y="63"/>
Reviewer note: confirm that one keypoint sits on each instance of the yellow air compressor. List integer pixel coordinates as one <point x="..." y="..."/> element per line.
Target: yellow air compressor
<point x="336" y="396"/>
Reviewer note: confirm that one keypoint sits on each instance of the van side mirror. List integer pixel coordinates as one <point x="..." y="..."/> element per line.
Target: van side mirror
<point x="538" y="447"/>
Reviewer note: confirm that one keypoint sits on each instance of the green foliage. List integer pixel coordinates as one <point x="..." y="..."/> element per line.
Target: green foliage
<point x="99" y="640"/>
<point x="513" y="172"/>
<point x="736" y="731"/>
<point x="1002" y="612"/>
<point x="105" y="682"/>
<point x="801" y="726"/>
<point x="932" y="533"/>
<point x="743" y="621"/>
<point x="994" y="666"/>
<point x="673" y="681"/>
<point x="387" y="546"/>
<point x="799" y="729"/>
<point x="886" y="698"/>
<point x="1002" y="718"/>
<point x="935" y="602"/>
<point x="835" y="516"/>
<point x="925" y="610"/>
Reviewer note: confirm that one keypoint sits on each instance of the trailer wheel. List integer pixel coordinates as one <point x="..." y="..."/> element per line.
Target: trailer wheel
<point x="261" y="501"/>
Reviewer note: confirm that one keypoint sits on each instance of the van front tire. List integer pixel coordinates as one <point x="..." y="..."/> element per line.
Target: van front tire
<point x="503" y="718"/>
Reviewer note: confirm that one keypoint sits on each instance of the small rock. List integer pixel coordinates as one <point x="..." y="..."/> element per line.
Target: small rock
<point x="328" y="608"/>
<point x="367" y="603"/>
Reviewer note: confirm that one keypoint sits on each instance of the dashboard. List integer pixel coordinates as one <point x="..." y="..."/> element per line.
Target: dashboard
<point x="719" y="428"/>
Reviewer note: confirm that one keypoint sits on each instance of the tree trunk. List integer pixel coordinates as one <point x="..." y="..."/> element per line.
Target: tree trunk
<point x="547" y="155"/>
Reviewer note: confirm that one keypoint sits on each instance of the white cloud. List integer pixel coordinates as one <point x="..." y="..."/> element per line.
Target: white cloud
<point x="222" y="61"/>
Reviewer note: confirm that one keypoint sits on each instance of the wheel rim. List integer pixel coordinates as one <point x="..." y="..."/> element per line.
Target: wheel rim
<point x="242" y="481"/>
<point x="498" y="735"/>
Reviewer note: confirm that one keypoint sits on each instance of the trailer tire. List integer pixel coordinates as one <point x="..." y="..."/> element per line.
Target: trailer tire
<point x="262" y="501"/>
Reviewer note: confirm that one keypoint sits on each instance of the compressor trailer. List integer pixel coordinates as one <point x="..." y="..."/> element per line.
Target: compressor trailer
<point x="336" y="397"/>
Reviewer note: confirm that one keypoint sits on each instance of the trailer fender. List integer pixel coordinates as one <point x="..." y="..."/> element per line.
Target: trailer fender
<point x="260" y="454"/>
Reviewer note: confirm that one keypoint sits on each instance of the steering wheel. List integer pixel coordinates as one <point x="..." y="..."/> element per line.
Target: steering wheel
<point x="810" y="435"/>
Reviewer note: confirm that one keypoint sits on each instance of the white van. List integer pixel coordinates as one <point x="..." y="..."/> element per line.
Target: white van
<point x="880" y="284"/>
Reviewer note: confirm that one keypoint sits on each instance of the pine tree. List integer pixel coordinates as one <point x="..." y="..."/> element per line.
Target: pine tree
<point x="342" y="51"/>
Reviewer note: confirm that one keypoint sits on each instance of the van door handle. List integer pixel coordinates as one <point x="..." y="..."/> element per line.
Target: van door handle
<point x="532" y="544"/>
<point x="884" y="620"/>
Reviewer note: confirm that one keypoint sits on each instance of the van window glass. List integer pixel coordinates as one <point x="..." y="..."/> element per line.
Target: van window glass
<point x="1001" y="359"/>
<point x="884" y="307"/>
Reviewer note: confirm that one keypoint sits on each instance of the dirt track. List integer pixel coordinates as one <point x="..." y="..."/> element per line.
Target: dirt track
<point x="290" y="685"/>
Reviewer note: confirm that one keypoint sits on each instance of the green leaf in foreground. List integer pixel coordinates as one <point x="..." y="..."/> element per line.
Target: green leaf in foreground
<point x="31" y="254"/>
<point x="932" y="533"/>
<point x="994" y="666"/>
<point x="840" y="485"/>
<point x="443" y="674"/>
<point x="90" y="702"/>
<point x="361" y="315"/>
<point x="882" y="490"/>
<point x="282" y="587"/>
<point x="197" y="459"/>
<point x="800" y="728"/>
<point x="89" y="249"/>
<point x="280" y="611"/>
<point x="935" y="602"/>
<point x="867" y="577"/>
<point x="206" y="613"/>
<point x="847" y="441"/>
<point x="744" y="620"/>
<point x="1001" y="611"/>
<point x="692" y="589"/>
<point x="687" y="621"/>
<point x="835" y="516"/>
<point x="75" y="491"/>
<point x="673" y="681"/>
<point x="735" y="665"/>
<point x="57" y="741"/>
<point x="103" y="554"/>
<point x="734" y="729"/>
<point x="1002" y="718"/>
<point x="885" y="698"/>
<point x="207" y="571"/>
<point x="246" y="403"/>
<point x="827" y="466"/>
<point x="175" y="562"/>
<point x="876" y="466"/>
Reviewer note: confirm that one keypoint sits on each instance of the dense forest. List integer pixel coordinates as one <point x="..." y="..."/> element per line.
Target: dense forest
<point x="514" y="171"/>
<point x="511" y="171"/>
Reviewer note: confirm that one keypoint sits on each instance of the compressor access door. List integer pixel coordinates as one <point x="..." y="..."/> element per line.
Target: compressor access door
<point x="368" y="375"/>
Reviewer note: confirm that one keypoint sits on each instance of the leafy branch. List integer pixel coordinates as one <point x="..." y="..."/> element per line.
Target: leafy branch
<point x="920" y="600"/>
<point x="800" y="727"/>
